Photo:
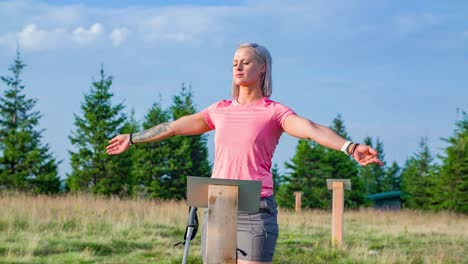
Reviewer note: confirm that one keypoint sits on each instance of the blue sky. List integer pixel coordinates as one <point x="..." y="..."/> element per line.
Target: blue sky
<point x="396" y="70"/>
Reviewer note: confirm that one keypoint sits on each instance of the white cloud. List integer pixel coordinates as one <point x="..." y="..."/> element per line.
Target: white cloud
<point x="32" y="38"/>
<point x="118" y="36"/>
<point x="84" y="36"/>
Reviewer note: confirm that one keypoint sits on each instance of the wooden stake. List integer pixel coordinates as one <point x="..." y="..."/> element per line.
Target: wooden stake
<point x="221" y="242"/>
<point x="337" y="214"/>
<point x="298" y="201"/>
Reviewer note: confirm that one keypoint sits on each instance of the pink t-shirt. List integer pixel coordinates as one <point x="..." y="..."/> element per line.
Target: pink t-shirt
<point x="245" y="139"/>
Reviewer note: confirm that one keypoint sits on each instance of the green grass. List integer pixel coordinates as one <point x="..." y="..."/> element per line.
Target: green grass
<point x="83" y="229"/>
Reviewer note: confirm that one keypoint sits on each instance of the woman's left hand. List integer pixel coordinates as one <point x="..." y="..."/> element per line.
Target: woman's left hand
<point x="365" y="155"/>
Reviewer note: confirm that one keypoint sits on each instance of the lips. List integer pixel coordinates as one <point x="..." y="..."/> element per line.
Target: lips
<point x="239" y="75"/>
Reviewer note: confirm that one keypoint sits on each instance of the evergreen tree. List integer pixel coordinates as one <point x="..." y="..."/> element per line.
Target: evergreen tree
<point x="92" y="169"/>
<point x="379" y="171"/>
<point x="152" y="158"/>
<point x="277" y="178"/>
<point x="341" y="166"/>
<point x="307" y="175"/>
<point x="452" y="182"/>
<point x="374" y="175"/>
<point x="25" y="163"/>
<point x="312" y="165"/>
<point x="418" y="178"/>
<point x="189" y="154"/>
<point x="392" y="181"/>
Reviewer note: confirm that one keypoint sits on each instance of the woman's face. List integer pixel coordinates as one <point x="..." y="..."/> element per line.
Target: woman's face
<point x="246" y="69"/>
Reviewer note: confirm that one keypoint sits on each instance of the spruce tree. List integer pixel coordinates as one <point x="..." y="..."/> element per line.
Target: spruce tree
<point x="392" y="179"/>
<point x="152" y="158"/>
<point x="374" y="175"/>
<point x="92" y="169"/>
<point x="418" y="178"/>
<point x="307" y="174"/>
<point x="25" y="163"/>
<point x="344" y="167"/>
<point x="277" y="178"/>
<point x="188" y="155"/>
<point x="452" y="182"/>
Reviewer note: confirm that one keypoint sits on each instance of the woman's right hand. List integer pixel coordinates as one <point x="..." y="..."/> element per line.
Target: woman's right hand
<point x="118" y="144"/>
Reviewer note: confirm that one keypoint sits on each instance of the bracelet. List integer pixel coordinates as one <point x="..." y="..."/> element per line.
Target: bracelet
<point x="354" y="149"/>
<point x="131" y="141"/>
<point x="345" y="147"/>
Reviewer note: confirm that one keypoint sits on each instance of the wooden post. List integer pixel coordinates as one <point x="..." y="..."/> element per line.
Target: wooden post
<point x="338" y="187"/>
<point x="298" y="201"/>
<point x="221" y="242"/>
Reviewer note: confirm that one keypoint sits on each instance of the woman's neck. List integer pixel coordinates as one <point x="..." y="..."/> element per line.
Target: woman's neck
<point x="249" y="95"/>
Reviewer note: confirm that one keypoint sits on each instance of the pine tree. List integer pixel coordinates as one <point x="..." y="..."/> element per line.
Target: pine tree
<point x="452" y="182"/>
<point x="189" y="154"/>
<point x="307" y="175"/>
<point x="152" y="158"/>
<point x="312" y="165"/>
<point x="392" y="181"/>
<point x="277" y="178"/>
<point x="25" y="163"/>
<point x="344" y="167"/>
<point x="374" y="175"/>
<point x="92" y="169"/>
<point x="418" y="178"/>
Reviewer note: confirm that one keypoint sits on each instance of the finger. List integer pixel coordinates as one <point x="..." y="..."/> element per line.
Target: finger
<point x="111" y="146"/>
<point x="376" y="160"/>
<point x="116" y="148"/>
<point x="113" y="140"/>
<point x="373" y="152"/>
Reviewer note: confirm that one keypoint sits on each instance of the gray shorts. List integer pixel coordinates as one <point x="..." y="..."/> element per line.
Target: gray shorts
<point x="256" y="232"/>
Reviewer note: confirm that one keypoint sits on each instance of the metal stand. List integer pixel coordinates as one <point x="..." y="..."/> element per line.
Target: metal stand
<point x="191" y="224"/>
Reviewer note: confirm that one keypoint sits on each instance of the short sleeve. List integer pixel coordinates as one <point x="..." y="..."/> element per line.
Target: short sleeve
<point x="207" y="113"/>
<point x="281" y="112"/>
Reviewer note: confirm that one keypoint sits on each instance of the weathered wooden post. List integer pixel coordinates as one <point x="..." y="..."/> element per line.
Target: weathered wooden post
<point x="223" y="198"/>
<point x="298" y="201"/>
<point x="338" y="186"/>
<point x="221" y="234"/>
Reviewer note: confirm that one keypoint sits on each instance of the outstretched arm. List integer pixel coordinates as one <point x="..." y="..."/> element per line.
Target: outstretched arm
<point x="300" y="127"/>
<point x="187" y="125"/>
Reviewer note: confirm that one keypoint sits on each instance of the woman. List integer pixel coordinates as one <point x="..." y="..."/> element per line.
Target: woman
<point x="248" y="128"/>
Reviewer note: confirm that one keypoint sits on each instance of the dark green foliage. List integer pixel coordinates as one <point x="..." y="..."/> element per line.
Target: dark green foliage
<point x="452" y="181"/>
<point x="374" y="175"/>
<point x="92" y="169"/>
<point x="277" y="178"/>
<point x="25" y="163"/>
<point x="344" y="167"/>
<point x="312" y="165"/>
<point x="418" y="178"/>
<point x="161" y="168"/>
<point x="392" y="181"/>
<point x="188" y="155"/>
<point x="151" y="159"/>
<point x="307" y="174"/>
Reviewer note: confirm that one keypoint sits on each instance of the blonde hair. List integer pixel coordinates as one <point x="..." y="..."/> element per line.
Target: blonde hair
<point x="263" y="56"/>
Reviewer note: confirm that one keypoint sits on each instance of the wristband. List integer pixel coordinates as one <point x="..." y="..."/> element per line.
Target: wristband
<point x="354" y="149"/>
<point x="131" y="141"/>
<point x="345" y="147"/>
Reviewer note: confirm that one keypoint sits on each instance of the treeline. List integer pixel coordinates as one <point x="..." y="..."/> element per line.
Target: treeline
<point x="426" y="183"/>
<point x="159" y="169"/>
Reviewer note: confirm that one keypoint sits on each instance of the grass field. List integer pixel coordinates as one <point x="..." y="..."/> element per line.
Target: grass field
<point x="83" y="229"/>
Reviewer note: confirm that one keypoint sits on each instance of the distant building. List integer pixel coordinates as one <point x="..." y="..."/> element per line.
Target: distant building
<point x="387" y="200"/>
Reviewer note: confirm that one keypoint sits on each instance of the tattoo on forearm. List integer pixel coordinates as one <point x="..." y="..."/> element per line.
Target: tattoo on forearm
<point x="151" y="133"/>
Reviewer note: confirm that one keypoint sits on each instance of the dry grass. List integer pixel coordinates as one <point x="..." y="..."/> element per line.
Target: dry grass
<point x="85" y="229"/>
